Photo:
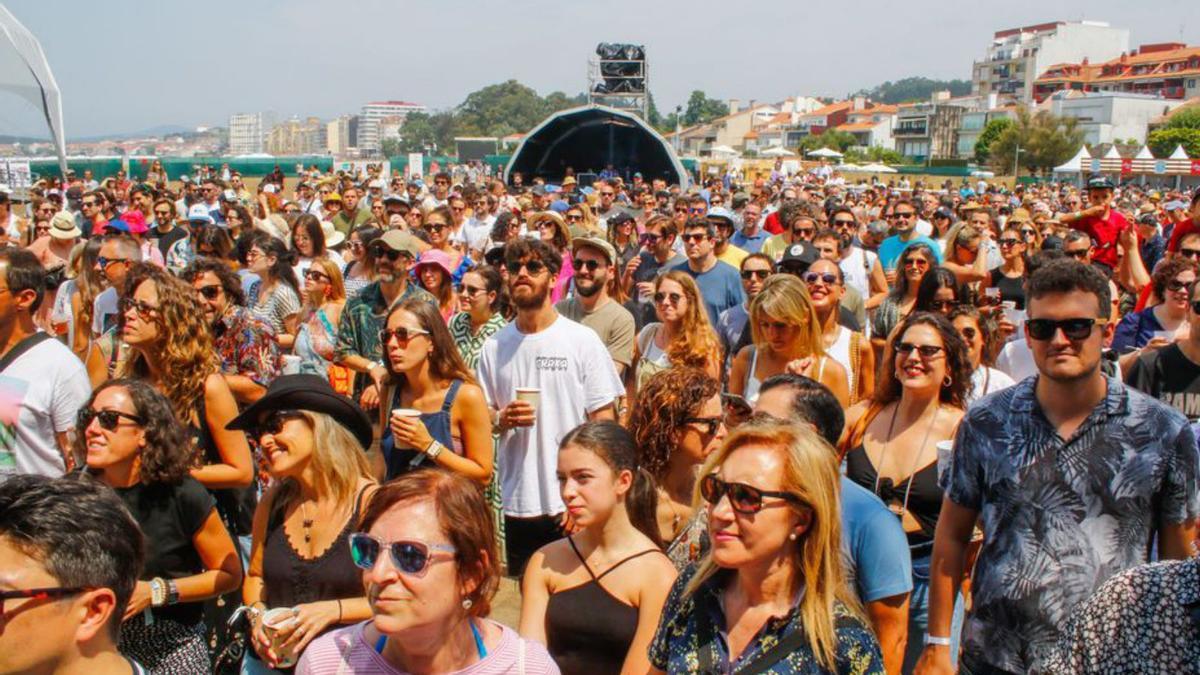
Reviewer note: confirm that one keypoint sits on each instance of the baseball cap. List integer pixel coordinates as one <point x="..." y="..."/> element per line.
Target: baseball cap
<point x="199" y="213"/>
<point x="595" y="243"/>
<point x="1100" y="183"/>
<point x="620" y="217"/>
<point x="798" y="257"/>
<point x="394" y="198"/>
<point x="375" y="184"/>
<point x="399" y="240"/>
<point x="721" y="213"/>
<point x="1175" y="205"/>
<point x="135" y="222"/>
<point x="229" y="196"/>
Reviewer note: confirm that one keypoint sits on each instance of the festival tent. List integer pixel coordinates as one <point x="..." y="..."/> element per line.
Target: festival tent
<point x="723" y="150"/>
<point x="824" y="152"/>
<point x="877" y="168"/>
<point x="25" y="72"/>
<point x="1179" y="153"/>
<point x="1075" y="164"/>
<point x="590" y="137"/>
<point x="777" y="151"/>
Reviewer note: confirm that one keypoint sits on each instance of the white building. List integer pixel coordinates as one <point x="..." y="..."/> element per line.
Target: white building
<point x="1017" y="56"/>
<point x="373" y="114"/>
<point x="1111" y="117"/>
<point x="247" y="133"/>
<point x="337" y="136"/>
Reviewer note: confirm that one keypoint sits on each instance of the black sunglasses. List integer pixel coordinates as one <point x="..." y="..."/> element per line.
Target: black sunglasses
<point x="943" y="305"/>
<point x="968" y="332"/>
<point x="272" y="423"/>
<point x="410" y="557"/>
<point x="534" y="267"/>
<point x="826" y="278"/>
<point x="211" y="292"/>
<point x="710" y="424"/>
<point x="926" y="351"/>
<point x="1190" y="253"/>
<point x="660" y="296"/>
<point x="1074" y="329"/>
<point x="109" y="419"/>
<point x="1009" y="241"/>
<point x="1176" y="285"/>
<point x="756" y="274"/>
<point x="39" y="594"/>
<point x="589" y="265"/>
<point x="1078" y="255"/>
<point x="314" y="275"/>
<point x="745" y="499"/>
<point x="695" y="236"/>
<point x="383" y="252"/>
<point x="144" y="310"/>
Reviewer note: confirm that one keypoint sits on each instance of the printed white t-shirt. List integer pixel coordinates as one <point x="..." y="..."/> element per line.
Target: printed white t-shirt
<point x="573" y="369"/>
<point x="40" y="394"/>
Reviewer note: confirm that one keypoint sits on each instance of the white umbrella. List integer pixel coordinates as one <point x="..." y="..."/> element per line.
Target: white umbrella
<point x="824" y="152"/>
<point x="878" y="168"/>
<point x="723" y="150"/>
<point x="849" y="168"/>
<point x="777" y="151"/>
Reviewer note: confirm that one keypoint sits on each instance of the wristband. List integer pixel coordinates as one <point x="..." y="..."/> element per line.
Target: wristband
<point x="940" y="641"/>
<point x="158" y="592"/>
<point x="172" y="592"/>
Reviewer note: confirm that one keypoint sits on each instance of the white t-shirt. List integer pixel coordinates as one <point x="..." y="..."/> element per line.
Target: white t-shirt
<point x="575" y="373"/>
<point x="105" y="305"/>
<point x="857" y="272"/>
<point x="40" y="393"/>
<point x="986" y="381"/>
<point x="1016" y="360"/>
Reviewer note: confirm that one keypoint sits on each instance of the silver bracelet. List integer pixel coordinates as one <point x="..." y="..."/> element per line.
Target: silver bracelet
<point x="940" y="641"/>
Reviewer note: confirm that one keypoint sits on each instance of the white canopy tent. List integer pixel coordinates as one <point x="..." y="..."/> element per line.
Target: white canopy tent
<point x="824" y="152"/>
<point x="723" y="150"/>
<point x="1179" y="153"/>
<point x="776" y="151"/>
<point x="25" y="72"/>
<point x="878" y="168"/>
<point x="1075" y="164"/>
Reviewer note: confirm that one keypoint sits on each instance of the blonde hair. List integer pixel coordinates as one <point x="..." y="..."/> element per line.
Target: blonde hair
<point x="810" y="471"/>
<point x="695" y="342"/>
<point x="339" y="461"/>
<point x="962" y="233"/>
<point x="785" y="298"/>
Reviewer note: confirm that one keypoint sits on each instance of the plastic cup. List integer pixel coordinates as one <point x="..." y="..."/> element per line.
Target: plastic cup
<point x="274" y="621"/>
<point x="531" y="395"/>
<point x="1168" y="335"/>
<point x="945" y="456"/>
<point x="291" y="364"/>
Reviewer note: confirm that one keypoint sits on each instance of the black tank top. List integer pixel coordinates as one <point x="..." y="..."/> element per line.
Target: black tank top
<point x="290" y="580"/>
<point x="235" y="505"/>
<point x="924" y="498"/>
<point x="588" y="630"/>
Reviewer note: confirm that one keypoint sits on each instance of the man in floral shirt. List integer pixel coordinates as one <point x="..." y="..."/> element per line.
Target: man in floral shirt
<point x="247" y="346"/>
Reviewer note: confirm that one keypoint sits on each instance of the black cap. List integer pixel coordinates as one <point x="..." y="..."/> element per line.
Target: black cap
<point x="620" y="217"/>
<point x="798" y="257"/>
<point x="306" y="392"/>
<point x="1100" y="183"/>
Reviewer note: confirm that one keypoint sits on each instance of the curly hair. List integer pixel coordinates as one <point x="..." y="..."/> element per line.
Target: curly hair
<point x="185" y="350"/>
<point x="231" y="283"/>
<point x="669" y="397"/>
<point x="1167" y="271"/>
<point x="958" y="363"/>
<point x="167" y="456"/>
<point x="695" y="342"/>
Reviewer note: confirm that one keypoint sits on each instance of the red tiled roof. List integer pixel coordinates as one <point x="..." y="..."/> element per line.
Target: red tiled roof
<point x="857" y="126"/>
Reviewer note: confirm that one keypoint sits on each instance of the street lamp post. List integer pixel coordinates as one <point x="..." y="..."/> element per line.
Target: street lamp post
<point x="1016" y="165"/>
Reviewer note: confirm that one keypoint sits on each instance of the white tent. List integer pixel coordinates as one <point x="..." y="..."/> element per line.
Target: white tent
<point x="1145" y="153"/>
<point x="723" y="150"/>
<point x="1179" y="153"/>
<point x="1075" y="164"/>
<point x="824" y="152"/>
<point x="848" y="168"/>
<point x="24" y="71"/>
<point x="777" y="151"/>
<point x="878" y="168"/>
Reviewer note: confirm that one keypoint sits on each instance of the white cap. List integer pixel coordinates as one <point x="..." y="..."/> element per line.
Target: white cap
<point x="199" y="212"/>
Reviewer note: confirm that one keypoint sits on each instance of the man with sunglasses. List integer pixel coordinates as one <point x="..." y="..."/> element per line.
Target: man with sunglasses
<point x="657" y="254"/>
<point x="1099" y="221"/>
<point x="723" y="225"/>
<point x="903" y="219"/>
<point x="591" y="305"/>
<point x="70" y="555"/>
<point x="358" y="346"/>
<point x="1076" y="476"/>
<point x="607" y="205"/>
<point x="574" y="376"/>
<point x="719" y="282"/>
<point x="731" y="325"/>
<point x="247" y="346"/>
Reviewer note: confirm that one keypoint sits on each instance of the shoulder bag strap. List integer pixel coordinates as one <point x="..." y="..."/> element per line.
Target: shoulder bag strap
<point x="20" y="348"/>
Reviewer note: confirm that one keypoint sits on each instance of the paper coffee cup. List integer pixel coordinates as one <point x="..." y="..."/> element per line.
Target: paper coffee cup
<point x="532" y="395"/>
<point x="406" y="412"/>
<point x="291" y="364"/>
<point x="273" y="621"/>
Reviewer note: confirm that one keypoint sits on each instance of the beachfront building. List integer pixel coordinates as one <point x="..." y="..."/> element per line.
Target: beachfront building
<point x="1111" y="117"/>
<point x="373" y="118"/>
<point x="926" y="131"/>
<point x="341" y="135"/>
<point x="247" y="133"/>
<point x="1017" y="56"/>
<point x="1169" y="70"/>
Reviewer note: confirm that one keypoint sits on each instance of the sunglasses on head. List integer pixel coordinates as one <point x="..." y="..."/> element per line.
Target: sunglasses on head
<point x="827" y="278"/>
<point x="744" y="499"/>
<point x="402" y="334"/>
<point x="109" y="419"/>
<point x="210" y="292"/>
<point x="1074" y="329"/>
<point x="589" y="265"/>
<point x="408" y="556"/>
<point x="926" y="351"/>
<point x="534" y="267"/>
<point x="755" y="274"/>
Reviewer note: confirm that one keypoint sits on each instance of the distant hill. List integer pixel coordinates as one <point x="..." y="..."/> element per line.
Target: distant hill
<point x="914" y="89"/>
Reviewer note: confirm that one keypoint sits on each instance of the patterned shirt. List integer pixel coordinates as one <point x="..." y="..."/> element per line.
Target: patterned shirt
<point x="180" y="255"/>
<point x="1062" y="516"/>
<point x="1140" y="621"/>
<point x="246" y="345"/>
<point x="469" y="343"/>
<point x="677" y="646"/>
<point x="362" y="319"/>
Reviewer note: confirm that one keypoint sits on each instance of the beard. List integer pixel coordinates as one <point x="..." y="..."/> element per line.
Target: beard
<point x="534" y="298"/>
<point x="592" y="288"/>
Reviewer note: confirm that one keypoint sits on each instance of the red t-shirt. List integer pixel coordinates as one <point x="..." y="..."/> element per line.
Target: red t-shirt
<point x="771" y="224"/>
<point x="1181" y="228"/>
<point x="1103" y="231"/>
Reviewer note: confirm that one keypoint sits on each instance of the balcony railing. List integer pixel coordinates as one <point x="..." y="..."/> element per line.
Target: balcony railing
<point x="911" y="130"/>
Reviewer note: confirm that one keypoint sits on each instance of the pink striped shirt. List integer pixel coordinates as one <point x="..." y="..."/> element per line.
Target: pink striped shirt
<point x="346" y="651"/>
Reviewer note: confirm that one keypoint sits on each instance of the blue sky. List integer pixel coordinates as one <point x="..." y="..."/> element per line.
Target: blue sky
<point x="126" y="65"/>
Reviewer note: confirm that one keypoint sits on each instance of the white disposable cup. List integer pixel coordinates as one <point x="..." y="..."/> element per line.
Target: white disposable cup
<point x="531" y="395"/>
<point x="992" y="292"/>
<point x="291" y="364"/>
<point x="406" y="412"/>
<point x="1007" y="304"/>
<point x="1168" y="335"/>
<point x="273" y="621"/>
<point x="945" y="455"/>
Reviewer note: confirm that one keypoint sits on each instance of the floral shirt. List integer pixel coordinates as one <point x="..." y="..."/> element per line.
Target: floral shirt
<point x="678" y="644"/>
<point x="246" y="345"/>
<point x="1062" y="516"/>
<point x="1140" y="621"/>
<point x="469" y="344"/>
<point x="180" y="255"/>
<point x="362" y="319"/>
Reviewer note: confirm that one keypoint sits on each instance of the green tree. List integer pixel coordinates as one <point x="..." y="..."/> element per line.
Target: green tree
<point x="1188" y="118"/>
<point x="1162" y="142"/>
<point x="1044" y="139"/>
<point x="874" y="153"/>
<point x="914" y="89"/>
<point x="500" y="110"/>
<point x="830" y="138"/>
<point x="557" y="100"/>
<point x="701" y="109"/>
<point x="422" y="130"/>
<point x="991" y="131"/>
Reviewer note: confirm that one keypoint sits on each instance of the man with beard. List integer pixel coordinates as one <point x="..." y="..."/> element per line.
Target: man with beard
<point x="247" y="346"/>
<point x="566" y="378"/>
<point x="861" y="269"/>
<point x="358" y="346"/>
<point x="593" y="306"/>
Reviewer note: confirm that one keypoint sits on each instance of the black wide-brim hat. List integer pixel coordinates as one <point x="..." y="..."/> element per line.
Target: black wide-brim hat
<point x="311" y="393"/>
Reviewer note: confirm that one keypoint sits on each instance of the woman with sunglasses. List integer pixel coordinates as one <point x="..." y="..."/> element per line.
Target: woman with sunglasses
<point x="682" y="336"/>
<point x="434" y="271"/>
<point x="133" y="443"/>
<point x="890" y="443"/>
<point x="849" y="348"/>
<point x="275" y="298"/>
<point x="552" y="229"/>
<point x="1161" y="324"/>
<point x="594" y="598"/>
<point x="1009" y="277"/>
<point x="964" y="254"/>
<point x="912" y="265"/>
<point x="309" y="244"/>
<point x="773" y="516"/>
<point x="623" y="235"/>
<point x="483" y="306"/>
<point x="677" y="421"/>
<point x="360" y="268"/>
<point x="438" y="228"/>
<point x="429" y="564"/>
<point x="977" y="334"/>
<point x="314" y="444"/>
<point x="435" y="413"/>
<point x="787" y="338"/>
<point x="506" y="228"/>
<point x="324" y="297"/>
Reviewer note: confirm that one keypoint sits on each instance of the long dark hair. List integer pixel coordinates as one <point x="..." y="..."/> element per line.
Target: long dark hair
<point x="614" y="444"/>
<point x="958" y="364"/>
<point x="445" y="362"/>
<point x="167" y="456"/>
<point x="937" y="278"/>
<point x="284" y="259"/>
<point x="312" y="227"/>
<point x="901" y="288"/>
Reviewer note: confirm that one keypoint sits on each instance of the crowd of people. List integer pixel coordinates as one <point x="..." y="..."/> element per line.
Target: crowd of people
<point x="765" y="424"/>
